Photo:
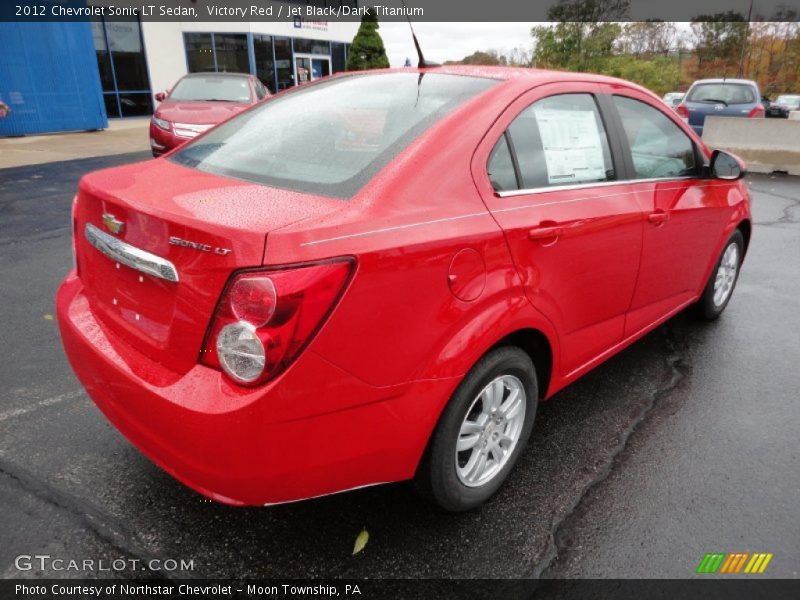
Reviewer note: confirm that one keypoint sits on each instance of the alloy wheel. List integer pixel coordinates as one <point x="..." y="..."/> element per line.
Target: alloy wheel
<point x="726" y="274"/>
<point x="490" y="430"/>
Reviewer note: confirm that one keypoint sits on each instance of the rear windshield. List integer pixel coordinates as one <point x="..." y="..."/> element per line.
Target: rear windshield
<point x="330" y="138"/>
<point x="726" y="93"/>
<point x="223" y="89"/>
<point x="788" y="100"/>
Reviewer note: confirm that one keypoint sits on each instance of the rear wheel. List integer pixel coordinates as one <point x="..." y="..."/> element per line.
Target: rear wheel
<point x="722" y="281"/>
<point x="481" y="432"/>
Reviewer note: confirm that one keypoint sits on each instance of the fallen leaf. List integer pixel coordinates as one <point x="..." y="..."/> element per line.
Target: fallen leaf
<point x="361" y="541"/>
<point x="48" y="317"/>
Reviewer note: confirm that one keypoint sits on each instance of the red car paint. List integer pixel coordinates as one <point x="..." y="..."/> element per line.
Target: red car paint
<point x="444" y="269"/>
<point x="202" y="113"/>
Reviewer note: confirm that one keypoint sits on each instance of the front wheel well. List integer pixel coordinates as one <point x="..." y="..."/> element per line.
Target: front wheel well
<point x="746" y="228"/>
<point x="536" y="345"/>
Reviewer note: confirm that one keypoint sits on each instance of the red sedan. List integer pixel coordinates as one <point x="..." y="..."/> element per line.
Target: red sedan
<point x="377" y="276"/>
<point x="197" y="103"/>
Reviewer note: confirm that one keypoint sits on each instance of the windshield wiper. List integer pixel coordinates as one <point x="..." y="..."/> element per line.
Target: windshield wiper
<point x="217" y="100"/>
<point x="710" y="100"/>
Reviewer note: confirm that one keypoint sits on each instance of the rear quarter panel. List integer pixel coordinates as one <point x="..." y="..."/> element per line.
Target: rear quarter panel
<point x="399" y="321"/>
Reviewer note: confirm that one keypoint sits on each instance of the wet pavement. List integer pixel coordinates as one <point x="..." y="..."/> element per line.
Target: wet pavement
<point x="685" y="443"/>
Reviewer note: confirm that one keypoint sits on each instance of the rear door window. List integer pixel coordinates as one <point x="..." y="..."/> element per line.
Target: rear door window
<point x="561" y="140"/>
<point x="501" y="167"/>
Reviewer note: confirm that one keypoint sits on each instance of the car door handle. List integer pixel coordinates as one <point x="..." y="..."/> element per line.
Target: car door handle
<point x="658" y="217"/>
<point x="543" y="233"/>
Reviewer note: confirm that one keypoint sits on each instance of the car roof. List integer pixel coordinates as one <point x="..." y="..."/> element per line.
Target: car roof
<point x="727" y="80"/>
<point x="508" y="73"/>
<point x="522" y="75"/>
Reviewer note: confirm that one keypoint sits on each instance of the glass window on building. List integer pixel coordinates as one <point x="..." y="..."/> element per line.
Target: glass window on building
<point x="127" y="54"/>
<point x="338" y="57"/>
<point x="283" y="62"/>
<point x="103" y="56"/>
<point x="303" y="46"/>
<point x="136" y="105"/>
<point x="265" y="65"/>
<point x="199" y="52"/>
<point x="112" y="106"/>
<point x="232" y="54"/>
<point x="123" y="69"/>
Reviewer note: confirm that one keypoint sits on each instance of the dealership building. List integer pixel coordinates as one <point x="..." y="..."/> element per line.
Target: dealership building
<point x="60" y="76"/>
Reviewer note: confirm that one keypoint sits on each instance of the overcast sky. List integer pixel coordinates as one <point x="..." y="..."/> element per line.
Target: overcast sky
<point x="452" y="41"/>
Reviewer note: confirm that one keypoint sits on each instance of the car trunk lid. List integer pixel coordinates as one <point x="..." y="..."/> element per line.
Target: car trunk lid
<point x="205" y="225"/>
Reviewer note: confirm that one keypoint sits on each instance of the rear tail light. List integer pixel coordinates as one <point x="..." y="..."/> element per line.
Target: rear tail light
<point x="757" y="112"/>
<point x="266" y="318"/>
<point x="683" y="111"/>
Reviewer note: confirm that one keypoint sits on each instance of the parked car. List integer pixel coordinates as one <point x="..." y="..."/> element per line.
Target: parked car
<point x="673" y="99"/>
<point x="198" y="102"/>
<point x="284" y="308"/>
<point x="720" y="98"/>
<point x="783" y="105"/>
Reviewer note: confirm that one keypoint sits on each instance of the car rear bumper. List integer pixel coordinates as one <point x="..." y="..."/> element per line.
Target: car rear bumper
<point x="314" y="430"/>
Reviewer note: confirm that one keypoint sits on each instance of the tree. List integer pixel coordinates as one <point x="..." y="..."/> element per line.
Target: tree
<point x="490" y="57"/>
<point x="720" y="37"/>
<point x="367" y="50"/>
<point x="648" y="38"/>
<point x="584" y="31"/>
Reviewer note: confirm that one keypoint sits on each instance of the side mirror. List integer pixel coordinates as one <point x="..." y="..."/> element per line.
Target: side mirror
<point x="160" y="96"/>
<point x="727" y="166"/>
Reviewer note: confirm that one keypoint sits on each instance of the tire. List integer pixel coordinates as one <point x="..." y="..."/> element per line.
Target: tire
<point x="714" y="300"/>
<point x="448" y="477"/>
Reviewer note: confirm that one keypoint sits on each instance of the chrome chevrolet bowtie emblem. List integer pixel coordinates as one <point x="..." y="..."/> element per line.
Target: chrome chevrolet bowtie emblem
<point x="112" y="223"/>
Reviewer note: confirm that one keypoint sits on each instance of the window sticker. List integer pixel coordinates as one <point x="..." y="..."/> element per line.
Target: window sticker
<point x="573" y="149"/>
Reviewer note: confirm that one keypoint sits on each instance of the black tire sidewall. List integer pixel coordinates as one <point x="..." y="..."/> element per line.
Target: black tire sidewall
<point x="709" y="310"/>
<point x="439" y="469"/>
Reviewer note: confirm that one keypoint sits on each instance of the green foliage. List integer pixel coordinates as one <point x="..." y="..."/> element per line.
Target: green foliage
<point x="719" y="36"/>
<point x="367" y="50"/>
<point x="659" y="74"/>
<point x="586" y="35"/>
<point x="648" y="38"/>
<point x="478" y="57"/>
<point x="573" y="45"/>
<point x="586" y="38"/>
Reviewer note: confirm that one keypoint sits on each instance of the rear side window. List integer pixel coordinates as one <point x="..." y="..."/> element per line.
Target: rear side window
<point x="724" y="93"/>
<point x="561" y="140"/>
<point x="330" y="138"/>
<point x="501" y="167"/>
<point x="792" y="101"/>
<point x="659" y="148"/>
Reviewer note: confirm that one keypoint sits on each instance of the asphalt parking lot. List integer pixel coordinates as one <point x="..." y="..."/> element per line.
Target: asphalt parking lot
<point x="685" y="443"/>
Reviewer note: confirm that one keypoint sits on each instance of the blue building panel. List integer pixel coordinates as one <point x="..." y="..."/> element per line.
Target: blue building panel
<point x="49" y="78"/>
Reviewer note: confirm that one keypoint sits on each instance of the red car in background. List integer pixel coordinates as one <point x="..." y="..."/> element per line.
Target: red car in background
<point x="197" y="103"/>
<point x="377" y="276"/>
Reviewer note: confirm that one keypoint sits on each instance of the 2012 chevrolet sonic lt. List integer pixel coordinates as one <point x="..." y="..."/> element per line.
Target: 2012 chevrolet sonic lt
<point x="377" y="276"/>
